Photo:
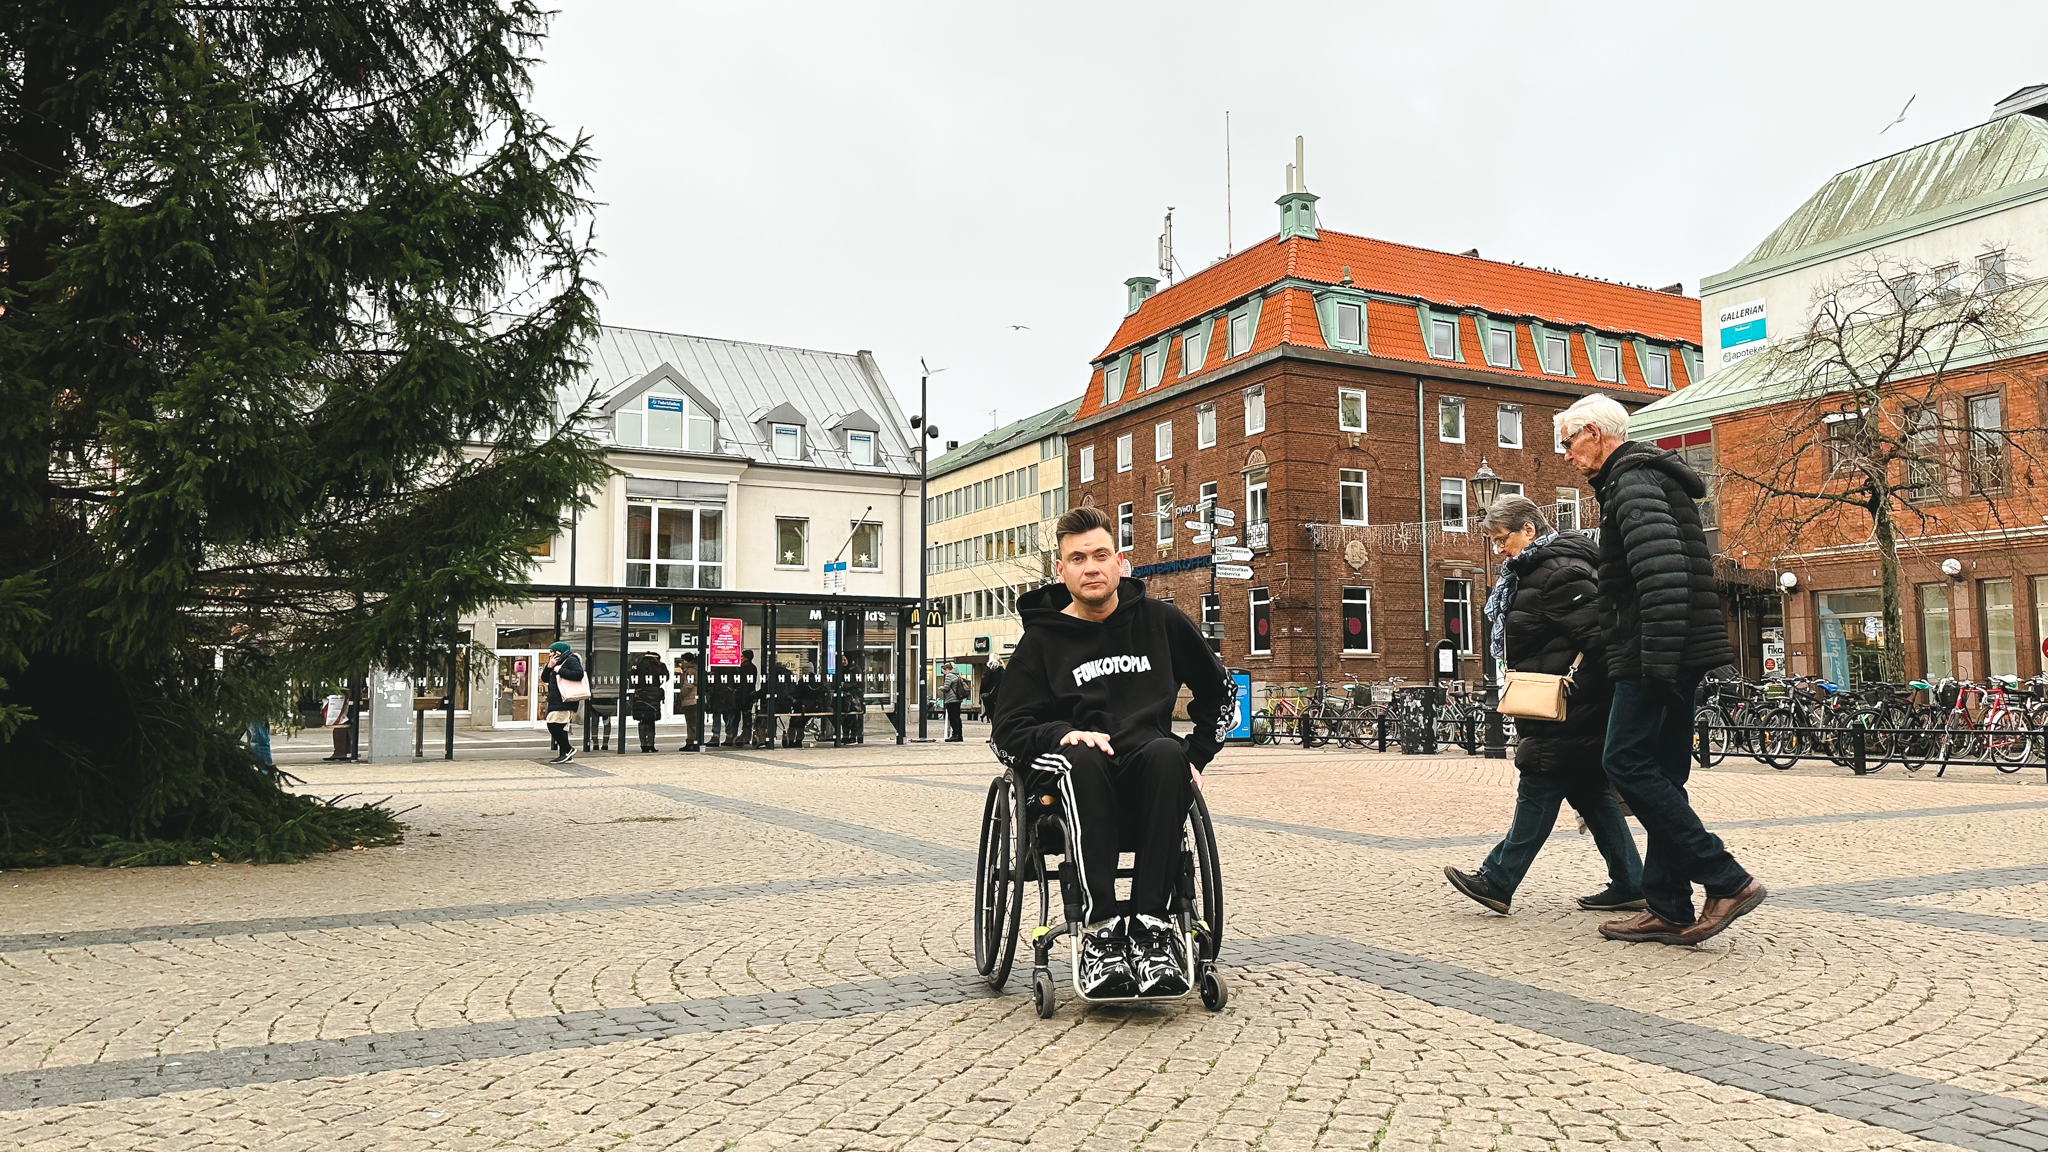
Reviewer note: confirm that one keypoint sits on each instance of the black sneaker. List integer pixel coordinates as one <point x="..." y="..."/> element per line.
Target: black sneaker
<point x="1479" y="887"/>
<point x="567" y="756"/>
<point x="1159" y="956"/>
<point x="1612" y="899"/>
<point x="1105" y="971"/>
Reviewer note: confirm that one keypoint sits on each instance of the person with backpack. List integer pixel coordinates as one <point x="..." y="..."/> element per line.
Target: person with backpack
<point x="953" y="692"/>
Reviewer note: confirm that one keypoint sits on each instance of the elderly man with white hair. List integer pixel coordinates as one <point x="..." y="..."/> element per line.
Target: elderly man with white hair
<point x="1662" y="621"/>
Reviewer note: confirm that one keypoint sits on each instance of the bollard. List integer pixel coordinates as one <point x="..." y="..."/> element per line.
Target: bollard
<point x="1381" y="722"/>
<point x="1496" y="736"/>
<point x="1700" y="738"/>
<point x="1857" y="765"/>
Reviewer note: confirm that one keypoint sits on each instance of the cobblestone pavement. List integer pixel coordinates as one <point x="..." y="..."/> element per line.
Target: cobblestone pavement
<point x="771" y="950"/>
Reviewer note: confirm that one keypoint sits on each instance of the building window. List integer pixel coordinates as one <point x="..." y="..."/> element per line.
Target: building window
<point x="1557" y="355"/>
<point x="1240" y="333"/>
<point x="1162" y="441"/>
<point x="1458" y="613"/>
<point x="1191" y="350"/>
<point x="1205" y="426"/>
<point x="1123" y="527"/>
<point x="1937" y="659"/>
<point x="1350" y="324"/>
<point x="1155" y="368"/>
<point x="1452" y="495"/>
<point x="1212" y="620"/>
<point x="1500" y="346"/>
<point x="1509" y="426"/>
<point x="1565" y="513"/>
<point x="1255" y="496"/>
<point x="1450" y="420"/>
<point x="665" y="418"/>
<point x="1992" y="266"/>
<point x="1112" y="382"/>
<point x="1254" y="410"/>
<point x="860" y="447"/>
<point x="1205" y="505"/>
<point x="1509" y="488"/>
<point x="1657" y="369"/>
<point x="1923" y="458"/>
<point x="1905" y="291"/>
<point x="1607" y="366"/>
<point x="2001" y="647"/>
<point x="1123" y="452"/>
<point x="865" y="549"/>
<point x="1163" y="509"/>
<point x="1443" y="339"/>
<point x="1087" y="463"/>
<point x="1351" y="409"/>
<point x="792" y="542"/>
<point x="1987" y="463"/>
<point x="788" y="440"/>
<point x="674" y="547"/>
<point x="1262" y="620"/>
<point x="1351" y="495"/>
<point x="1358" y="619"/>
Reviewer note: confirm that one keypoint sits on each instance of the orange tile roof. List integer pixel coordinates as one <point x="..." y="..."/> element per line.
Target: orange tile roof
<point x="1393" y="331"/>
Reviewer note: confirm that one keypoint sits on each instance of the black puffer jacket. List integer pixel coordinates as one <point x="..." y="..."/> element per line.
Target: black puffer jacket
<point x="1553" y="618"/>
<point x="1657" y="597"/>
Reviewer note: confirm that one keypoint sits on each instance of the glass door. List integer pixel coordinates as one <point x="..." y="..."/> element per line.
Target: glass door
<point x="521" y="699"/>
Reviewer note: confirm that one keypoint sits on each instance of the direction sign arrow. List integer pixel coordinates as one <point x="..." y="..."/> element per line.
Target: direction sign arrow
<point x="1199" y="539"/>
<point x="1226" y="539"/>
<point x="1197" y="525"/>
<point x="1225" y="516"/>
<point x="1232" y="553"/>
<point x="1233" y="572"/>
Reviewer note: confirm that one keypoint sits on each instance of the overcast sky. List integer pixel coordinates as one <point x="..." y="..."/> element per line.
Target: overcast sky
<point x="915" y="178"/>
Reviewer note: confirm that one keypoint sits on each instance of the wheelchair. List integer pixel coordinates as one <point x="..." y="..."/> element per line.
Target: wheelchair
<point x="1023" y="841"/>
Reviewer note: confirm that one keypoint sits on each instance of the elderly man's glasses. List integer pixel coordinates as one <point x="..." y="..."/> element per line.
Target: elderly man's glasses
<point x="1566" y="443"/>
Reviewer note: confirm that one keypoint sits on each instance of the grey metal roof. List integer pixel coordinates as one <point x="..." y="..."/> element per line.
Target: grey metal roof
<point x="1972" y="171"/>
<point x="744" y="379"/>
<point x="1015" y="434"/>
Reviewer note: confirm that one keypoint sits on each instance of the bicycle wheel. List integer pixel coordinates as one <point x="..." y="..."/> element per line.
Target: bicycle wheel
<point x="1877" y="744"/>
<point x="1717" y="734"/>
<point x="2008" y="741"/>
<point x="1958" y="738"/>
<point x="1917" y="737"/>
<point x="1778" y="738"/>
<point x="1311" y="731"/>
<point x="1262" y="727"/>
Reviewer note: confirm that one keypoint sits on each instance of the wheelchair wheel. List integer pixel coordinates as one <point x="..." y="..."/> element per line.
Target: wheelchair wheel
<point x="1262" y="727"/>
<point x="1208" y="877"/>
<point x="998" y="887"/>
<point x="1215" y="993"/>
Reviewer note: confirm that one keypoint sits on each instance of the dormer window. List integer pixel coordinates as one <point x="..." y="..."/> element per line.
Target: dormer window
<point x="788" y="440"/>
<point x="664" y="417"/>
<point x="860" y="447"/>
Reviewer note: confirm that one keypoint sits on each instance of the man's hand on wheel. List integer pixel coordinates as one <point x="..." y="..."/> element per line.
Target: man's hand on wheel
<point x="1099" y="740"/>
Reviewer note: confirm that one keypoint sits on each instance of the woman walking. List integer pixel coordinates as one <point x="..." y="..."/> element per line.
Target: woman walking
<point x="1545" y="617"/>
<point x="562" y="665"/>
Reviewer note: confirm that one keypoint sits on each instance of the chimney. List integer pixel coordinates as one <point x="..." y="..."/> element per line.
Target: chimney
<point x="1298" y="204"/>
<point x="1677" y="289"/>
<point x="1139" y="289"/>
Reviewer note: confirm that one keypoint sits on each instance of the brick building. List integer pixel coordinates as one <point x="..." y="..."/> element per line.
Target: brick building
<point x="1339" y="394"/>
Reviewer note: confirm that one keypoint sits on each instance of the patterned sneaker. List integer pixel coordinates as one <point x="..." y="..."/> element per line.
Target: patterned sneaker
<point x="1160" y="956"/>
<point x="1105" y="972"/>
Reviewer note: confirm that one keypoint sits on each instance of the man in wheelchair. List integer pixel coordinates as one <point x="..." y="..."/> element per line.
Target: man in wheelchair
<point x="1088" y="702"/>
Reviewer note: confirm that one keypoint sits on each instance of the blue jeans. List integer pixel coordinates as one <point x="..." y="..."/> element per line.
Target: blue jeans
<point x="1649" y="760"/>
<point x="1536" y="805"/>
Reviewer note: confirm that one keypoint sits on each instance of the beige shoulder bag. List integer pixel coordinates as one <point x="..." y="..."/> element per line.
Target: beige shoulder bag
<point x="1537" y="695"/>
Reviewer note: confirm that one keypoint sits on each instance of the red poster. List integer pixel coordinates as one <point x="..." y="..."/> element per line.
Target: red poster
<point x="726" y="638"/>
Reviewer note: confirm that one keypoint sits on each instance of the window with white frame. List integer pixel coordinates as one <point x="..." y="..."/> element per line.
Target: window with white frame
<point x="1205" y="426"/>
<point x="1254" y="410"/>
<point x="1155" y="368"/>
<point x="1162" y="440"/>
<point x="670" y="546"/>
<point x="1450" y="420"/>
<point x="1255" y="496"/>
<point x="1212" y="620"/>
<point x="1262" y="620"/>
<point x="1123" y="452"/>
<point x="860" y="447"/>
<point x="1565" y="512"/>
<point x="664" y="417"/>
<point x="1358" y="619"/>
<point x="864" y="551"/>
<point x="1991" y="265"/>
<point x="1087" y="463"/>
<point x="1192" y="348"/>
<point x="1443" y="339"/>
<point x="1510" y="426"/>
<point x="1451" y="496"/>
<point x="1657" y="369"/>
<point x="788" y="440"/>
<point x="1205" y="502"/>
<point x="1112" y="382"/>
<point x="1557" y="355"/>
<point x="1240" y="333"/>
<point x="1162" y="508"/>
<point x="1351" y="495"/>
<point x="792" y="542"/>
<point x="1350" y="323"/>
<point x="1500" y="345"/>
<point x="1123" y="527"/>
<point x="1458" y="613"/>
<point x="1351" y="409"/>
<point x="1607" y="362"/>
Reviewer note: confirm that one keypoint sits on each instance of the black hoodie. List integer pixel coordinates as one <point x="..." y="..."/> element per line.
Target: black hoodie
<point x="1658" y="603"/>
<point x="1120" y="676"/>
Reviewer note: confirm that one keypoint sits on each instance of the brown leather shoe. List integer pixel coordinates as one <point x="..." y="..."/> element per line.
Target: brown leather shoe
<point x="1644" y="928"/>
<point x="1721" y="911"/>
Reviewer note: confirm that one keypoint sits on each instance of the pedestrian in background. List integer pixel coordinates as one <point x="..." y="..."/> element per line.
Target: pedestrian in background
<point x="562" y="665"/>
<point x="646" y="683"/>
<point x="991" y="683"/>
<point x="1664" y="629"/>
<point x="688" y="674"/>
<point x="953" y="693"/>
<point x="749" y="693"/>
<point x="1546" y="618"/>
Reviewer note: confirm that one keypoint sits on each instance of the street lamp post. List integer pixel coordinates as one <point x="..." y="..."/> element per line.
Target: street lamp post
<point x="922" y="422"/>
<point x="1485" y="488"/>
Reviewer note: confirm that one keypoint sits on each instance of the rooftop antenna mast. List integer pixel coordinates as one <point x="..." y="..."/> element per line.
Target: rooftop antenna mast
<point x="1166" y="249"/>
<point x="1229" y="243"/>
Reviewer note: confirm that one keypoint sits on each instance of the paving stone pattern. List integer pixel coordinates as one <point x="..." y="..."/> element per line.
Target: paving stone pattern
<point x="726" y="952"/>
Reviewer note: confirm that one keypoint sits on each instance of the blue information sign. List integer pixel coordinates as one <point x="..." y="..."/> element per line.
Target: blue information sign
<point x="1241" y="725"/>
<point x="607" y="612"/>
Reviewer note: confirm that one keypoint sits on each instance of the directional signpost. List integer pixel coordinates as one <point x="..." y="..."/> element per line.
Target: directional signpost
<point x="1225" y="517"/>
<point x="1232" y="571"/>
<point x="1236" y="554"/>
<point x="1197" y="525"/>
<point x="1226" y="540"/>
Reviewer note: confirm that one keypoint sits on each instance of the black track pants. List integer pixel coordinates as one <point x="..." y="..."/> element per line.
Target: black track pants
<point x="1133" y="802"/>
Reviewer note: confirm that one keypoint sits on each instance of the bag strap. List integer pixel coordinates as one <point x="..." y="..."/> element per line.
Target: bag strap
<point x="1574" y="669"/>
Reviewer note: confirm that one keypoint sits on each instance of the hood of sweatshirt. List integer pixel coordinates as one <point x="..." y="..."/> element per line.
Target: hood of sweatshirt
<point x="1047" y="607"/>
<point x="1636" y="454"/>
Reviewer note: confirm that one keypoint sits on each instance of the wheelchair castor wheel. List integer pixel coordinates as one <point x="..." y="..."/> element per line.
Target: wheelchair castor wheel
<point x="1042" y="994"/>
<point x="1215" y="993"/>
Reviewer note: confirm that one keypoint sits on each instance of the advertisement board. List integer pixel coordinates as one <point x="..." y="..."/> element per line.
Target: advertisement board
<point x="727" y="637"/>
<point x="1743" y="331"/>
<point x="1241" y="723"/>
